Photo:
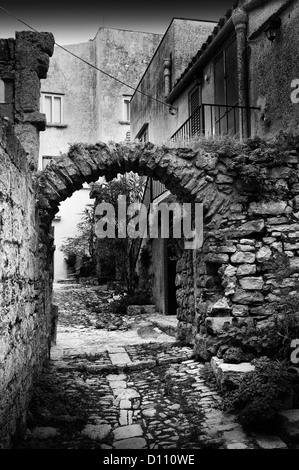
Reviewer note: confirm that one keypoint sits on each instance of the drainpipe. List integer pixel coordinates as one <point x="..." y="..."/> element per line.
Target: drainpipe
<point x="240" y="20"/>
<point x="167" y="76"/>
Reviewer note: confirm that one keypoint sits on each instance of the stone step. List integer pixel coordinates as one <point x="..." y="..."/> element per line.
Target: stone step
<point x="267" y="441"/>
<point x="228" y="374"/>
<point x="289" y="425"/>
<point x="167" y="324"/>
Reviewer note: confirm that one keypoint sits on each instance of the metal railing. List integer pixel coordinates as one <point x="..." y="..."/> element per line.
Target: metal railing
<point x="216" y="119"/>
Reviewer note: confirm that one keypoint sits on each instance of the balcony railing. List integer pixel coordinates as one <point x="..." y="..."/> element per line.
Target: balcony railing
<point x="216" y="119"/>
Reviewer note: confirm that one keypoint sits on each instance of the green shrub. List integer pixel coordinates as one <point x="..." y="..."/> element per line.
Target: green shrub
<point x="260" y="393"/>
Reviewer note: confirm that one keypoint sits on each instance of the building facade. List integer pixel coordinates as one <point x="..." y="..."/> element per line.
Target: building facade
<point x="153" y="121"/>
<point x="238" y="82"/>
<point x="82" y="104"/>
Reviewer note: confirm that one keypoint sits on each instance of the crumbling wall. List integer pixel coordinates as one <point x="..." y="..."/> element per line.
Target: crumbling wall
<point x="26" y="245"/>
<point x="235" y="271"/>
<point x="25" y="286"/>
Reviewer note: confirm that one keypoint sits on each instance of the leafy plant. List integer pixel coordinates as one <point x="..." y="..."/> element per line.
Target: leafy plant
<point x="81" y="246"/>
<point x="260" y="393"/>
<point x="116" y="255"/>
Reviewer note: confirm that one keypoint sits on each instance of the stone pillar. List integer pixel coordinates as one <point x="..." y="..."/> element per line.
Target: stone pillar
<point x="240" y="19"/>
<point x="32" y="52"/>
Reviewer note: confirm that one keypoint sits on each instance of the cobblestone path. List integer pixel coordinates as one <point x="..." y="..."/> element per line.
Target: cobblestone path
<point x="148" y="395"/>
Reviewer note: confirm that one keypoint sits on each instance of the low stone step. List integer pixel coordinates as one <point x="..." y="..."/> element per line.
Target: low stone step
<point x="266" y="441"/>
<point x="228" y="374"/>
<point x="289" y="425"/>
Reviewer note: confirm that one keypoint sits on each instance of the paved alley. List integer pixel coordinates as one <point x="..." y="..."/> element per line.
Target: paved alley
<point x="123" y="382"/>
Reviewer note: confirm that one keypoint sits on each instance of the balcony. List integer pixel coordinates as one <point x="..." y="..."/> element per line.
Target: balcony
<point x="216" y="119"/>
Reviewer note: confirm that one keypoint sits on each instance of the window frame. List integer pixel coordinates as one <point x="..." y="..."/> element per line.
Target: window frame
<point x="143" y="134"/>
<point x="52" y="123"/>
<point x="126" y="109"/>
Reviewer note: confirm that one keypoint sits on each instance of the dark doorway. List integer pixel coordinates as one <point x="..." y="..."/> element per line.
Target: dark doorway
<point x="171" y="289"/>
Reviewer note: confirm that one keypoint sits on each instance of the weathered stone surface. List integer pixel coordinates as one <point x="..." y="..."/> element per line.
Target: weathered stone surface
<point x="245" y="247"/>
<point x="227" y="375"/>
<point x="246" y="269"/>
<point x="290" y="416"/>
<point x="241" y="257"/>
<point x="131" y="443"/>
<point x="289" y="425"/>
<point x="267" y="441"/>
<point x="240" y="310"/>
<point x="126" y="432"/>
<point x="96" y="432"/>
<point x="149" y="412"/>
<point x="248" y="228"/>
<point x="294" y="263"/>
<point x="230" y="270"/>
<point x="263" y="254"/>
<point x="251" y="283"/>
<point x="217" y="258"/>
<point x="247" y="241"/>
<point x="267" y="208"/>
<point x="246" y="297"/>
<point x="205" y="346"/>
<point x="221" y="307"/>
<point x="126" y="393"/>
<point x="217" y="324"/>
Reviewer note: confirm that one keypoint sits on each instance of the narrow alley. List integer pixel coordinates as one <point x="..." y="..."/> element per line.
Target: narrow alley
<point x="124" y="382"/>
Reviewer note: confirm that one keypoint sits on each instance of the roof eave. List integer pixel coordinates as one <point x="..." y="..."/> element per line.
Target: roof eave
<point x="202" y="60"/>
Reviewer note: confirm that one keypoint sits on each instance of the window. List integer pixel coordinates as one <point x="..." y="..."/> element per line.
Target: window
<point x="226" y="89"/>
<point x="2" y="91"/>
<point x="45" y="160"/>
<point x="195" y="111"/>
<point x="142" y="135"/>
<point x="52" y="107"/>
<point x="126" y="108"/>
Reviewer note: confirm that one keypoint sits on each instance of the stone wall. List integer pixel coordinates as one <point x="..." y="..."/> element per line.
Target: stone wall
<point x="236" y="270"/>
<point x="26" y="245"/>
<point x="25" y="286"/>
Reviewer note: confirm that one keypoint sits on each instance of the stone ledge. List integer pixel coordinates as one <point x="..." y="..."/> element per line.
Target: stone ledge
<point x="227" y="374"/>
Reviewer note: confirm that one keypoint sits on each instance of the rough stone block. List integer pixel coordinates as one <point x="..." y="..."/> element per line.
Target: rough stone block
<point x="246" y="297"/>
<point x="217" y="258"/>
<point x="221" y="307"/>
<point x="218" y="324"/>
<point x="228" y="375"/>
<point x="246" y="269"/>
<point x="240" y="310"/>
<point x="263" y="254"/>
<point x="267" y="208"/>
<point x="252" y="283"/>
<point x="266" y="441"/>
<point x="241" y="257"/>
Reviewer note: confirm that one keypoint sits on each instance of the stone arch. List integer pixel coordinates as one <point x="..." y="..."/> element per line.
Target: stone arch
<point x="192" y="176"/>
<point x="186" y="173"/>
